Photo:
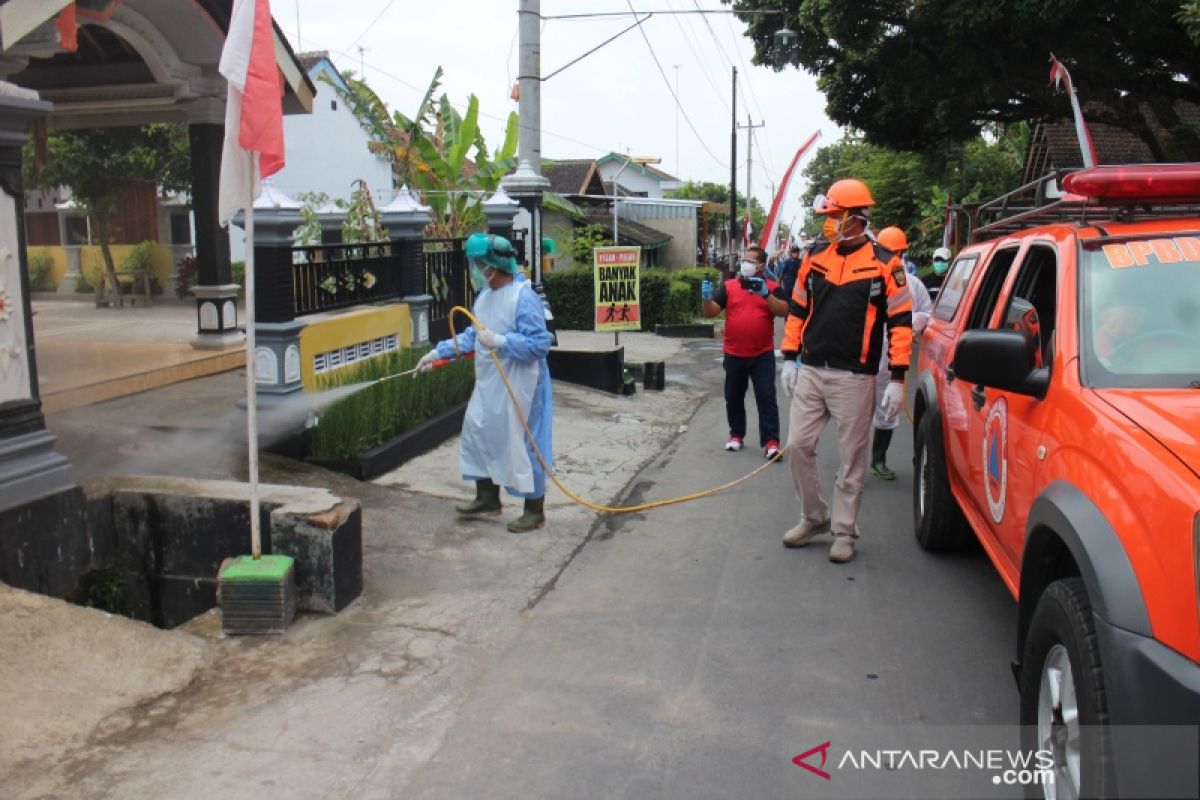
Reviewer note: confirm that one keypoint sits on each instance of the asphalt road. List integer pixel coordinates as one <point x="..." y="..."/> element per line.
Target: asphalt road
<point x="684" y="652"/>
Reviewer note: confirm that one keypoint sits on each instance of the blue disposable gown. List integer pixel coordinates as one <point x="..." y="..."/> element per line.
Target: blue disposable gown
<point x="492" y="446"/>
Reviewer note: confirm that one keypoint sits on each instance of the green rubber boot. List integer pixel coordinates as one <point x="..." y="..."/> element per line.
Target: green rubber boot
<point x="532" y="519"/>
<point x="879" y="448"/>
<point x="486" y="502"/>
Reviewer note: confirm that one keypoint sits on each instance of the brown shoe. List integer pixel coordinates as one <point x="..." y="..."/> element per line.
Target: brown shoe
<point x="842" y="549"/>
<point x="805" y="532"/>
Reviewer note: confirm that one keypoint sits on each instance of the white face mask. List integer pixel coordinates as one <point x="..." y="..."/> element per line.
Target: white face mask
<point x="748" y="269"/>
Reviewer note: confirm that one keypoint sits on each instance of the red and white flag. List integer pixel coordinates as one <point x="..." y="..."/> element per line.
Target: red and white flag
<point x="746" y="228"/>
<point x="1059" y="76"/>
<point x="776" y="206"/>
<point x="253" y="107"/>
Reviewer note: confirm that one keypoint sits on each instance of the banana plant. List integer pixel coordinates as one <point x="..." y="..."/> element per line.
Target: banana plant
<point x="429" y="152"/>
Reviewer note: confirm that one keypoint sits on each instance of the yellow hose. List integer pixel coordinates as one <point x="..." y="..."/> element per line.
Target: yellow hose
<point x="670" y="501"/>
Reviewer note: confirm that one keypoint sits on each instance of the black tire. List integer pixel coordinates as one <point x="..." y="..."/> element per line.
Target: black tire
<point x="1063" y="619"/>
<point x="937" y="520"/>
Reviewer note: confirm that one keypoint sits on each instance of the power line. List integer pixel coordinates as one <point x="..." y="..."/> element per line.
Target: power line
<point x="459" y="106"/>
<point x="745" y="70"/>
<point x="687" y="38"/>
<point x="713" y="34"/>
<point x="750" y="86"/>
<point x="367" y="29"/>
<point x="678" y="105"/>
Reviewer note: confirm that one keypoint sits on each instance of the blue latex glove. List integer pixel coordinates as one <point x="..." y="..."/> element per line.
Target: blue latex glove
<point x="758" y="286"/>
<point x="706" y="290"/>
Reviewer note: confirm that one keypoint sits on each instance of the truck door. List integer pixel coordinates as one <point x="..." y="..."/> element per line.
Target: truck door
<point x="959" y="409"/>
<point x="1005" y="427"/>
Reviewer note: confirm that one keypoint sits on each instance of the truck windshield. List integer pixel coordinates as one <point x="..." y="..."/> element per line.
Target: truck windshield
<point x="1140" y="312"/>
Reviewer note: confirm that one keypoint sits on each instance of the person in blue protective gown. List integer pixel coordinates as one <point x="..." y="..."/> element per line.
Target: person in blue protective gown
<point x="495" y="450"/>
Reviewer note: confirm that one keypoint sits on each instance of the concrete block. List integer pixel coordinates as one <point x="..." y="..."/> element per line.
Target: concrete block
<point x="168" y="537"/>
<point x="44" y="544"/>
<point x="179" y="598"/>
<point x="195" y="534"/>
<point x="327" y="547"/>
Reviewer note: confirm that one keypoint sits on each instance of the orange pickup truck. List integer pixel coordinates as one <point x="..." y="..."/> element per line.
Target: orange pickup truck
<point x="1057" y="420"/>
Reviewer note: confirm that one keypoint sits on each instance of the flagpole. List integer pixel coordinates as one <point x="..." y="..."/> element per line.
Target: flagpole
<point x="251" y="383"/>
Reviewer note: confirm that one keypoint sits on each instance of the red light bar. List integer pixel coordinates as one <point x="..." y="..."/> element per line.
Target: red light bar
<point x="1145" y="183"/>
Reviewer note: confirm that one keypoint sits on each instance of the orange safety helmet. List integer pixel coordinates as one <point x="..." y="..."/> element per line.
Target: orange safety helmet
<point x="893" y="239"/>
<point x="844" y="194"/>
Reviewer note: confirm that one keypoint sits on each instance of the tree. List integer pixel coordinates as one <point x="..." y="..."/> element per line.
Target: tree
<point x="909" y="75"/>
<point x="99" y="165"/>
<point x="583" y="240"/>
<point x="1189" y="17"/>
<point x="429" y="151"/>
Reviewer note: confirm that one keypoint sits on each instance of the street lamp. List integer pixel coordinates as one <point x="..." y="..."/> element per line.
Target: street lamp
<point x="785" y="46"/>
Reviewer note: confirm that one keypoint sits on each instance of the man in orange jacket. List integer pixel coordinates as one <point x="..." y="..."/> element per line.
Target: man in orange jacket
<point x="846" y="291"/>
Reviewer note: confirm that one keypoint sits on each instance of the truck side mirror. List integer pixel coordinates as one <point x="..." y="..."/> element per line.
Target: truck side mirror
<point x="1003" y="359"/>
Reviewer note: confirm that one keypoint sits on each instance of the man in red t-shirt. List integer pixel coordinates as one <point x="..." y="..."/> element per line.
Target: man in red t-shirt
<point x="751" y="303"/>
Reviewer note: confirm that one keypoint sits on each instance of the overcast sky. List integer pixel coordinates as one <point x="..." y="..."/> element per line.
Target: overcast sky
<point x="613" y="100"/>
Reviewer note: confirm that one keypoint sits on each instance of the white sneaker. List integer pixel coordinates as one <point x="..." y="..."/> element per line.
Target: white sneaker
<point x="842" y="549"/>
<point x="805" y="532"/>
<point x="734" y="444"/>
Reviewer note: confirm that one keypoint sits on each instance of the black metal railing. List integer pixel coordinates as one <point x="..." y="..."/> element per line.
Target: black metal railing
<point x="446" y="282"/>
<point x="332" y="276"/>
<point x="293" y="282"/>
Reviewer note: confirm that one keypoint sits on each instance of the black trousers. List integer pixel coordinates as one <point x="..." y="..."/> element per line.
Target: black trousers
<point x="739" y="372"/>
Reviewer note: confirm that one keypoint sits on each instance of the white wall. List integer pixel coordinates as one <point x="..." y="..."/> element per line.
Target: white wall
<point x="633" y="179"/>
<point x="326" y="151"/>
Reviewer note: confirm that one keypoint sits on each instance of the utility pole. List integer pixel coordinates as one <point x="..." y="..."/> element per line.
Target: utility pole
<point x="362" y="63"/>
<point x="527" y="184"/>
<point x="750" y="126"/>
<point x="677" y="104"/>
<point x="733" y="215"/>
<point x="529" y="78"/>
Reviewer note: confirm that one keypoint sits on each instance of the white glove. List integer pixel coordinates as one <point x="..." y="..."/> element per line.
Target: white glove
<point x="426" y="362"/>
<point x="788" y="377"/>
<point x="893" y="400"/>
<point x="492" y="340"/>
<point x="919" y="320"/>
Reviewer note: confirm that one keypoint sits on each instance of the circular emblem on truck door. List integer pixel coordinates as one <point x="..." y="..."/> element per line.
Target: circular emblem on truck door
<point x="995" y="458"/>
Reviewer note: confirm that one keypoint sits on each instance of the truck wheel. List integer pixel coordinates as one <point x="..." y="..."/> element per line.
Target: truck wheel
<point x="937" y="519"/>
<point x="1064" y="709"/>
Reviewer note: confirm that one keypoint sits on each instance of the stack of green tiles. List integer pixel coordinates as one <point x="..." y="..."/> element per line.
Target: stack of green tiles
<point x="257" y="595"/>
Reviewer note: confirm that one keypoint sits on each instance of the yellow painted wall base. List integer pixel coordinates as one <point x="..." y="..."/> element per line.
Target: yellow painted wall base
<point x="342" y="330"/>
<point x="91" y="262"/>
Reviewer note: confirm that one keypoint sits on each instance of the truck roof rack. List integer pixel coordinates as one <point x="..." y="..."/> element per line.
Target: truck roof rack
<point x="1043" y="201"/>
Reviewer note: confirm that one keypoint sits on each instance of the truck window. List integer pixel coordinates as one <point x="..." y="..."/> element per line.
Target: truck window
<point x="954" y="286"/>
<point x="1032" y="307"/>
<point x="995" y="273"/>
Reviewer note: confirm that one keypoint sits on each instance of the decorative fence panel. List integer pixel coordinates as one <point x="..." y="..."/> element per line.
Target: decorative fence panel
<point x="446" y="280"/>
<point x="333" y="276"/>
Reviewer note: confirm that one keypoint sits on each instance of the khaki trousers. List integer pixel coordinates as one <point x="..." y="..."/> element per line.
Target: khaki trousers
<point x="849" y="399"/>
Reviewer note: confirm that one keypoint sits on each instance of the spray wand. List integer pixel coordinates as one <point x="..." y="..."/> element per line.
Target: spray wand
<point x="438" y="364"/>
